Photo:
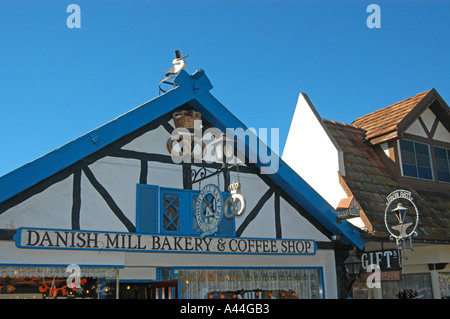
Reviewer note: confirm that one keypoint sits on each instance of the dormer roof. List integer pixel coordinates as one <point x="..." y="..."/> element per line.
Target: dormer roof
<point x="392" y="121"/>
<point x="369" y="179"/>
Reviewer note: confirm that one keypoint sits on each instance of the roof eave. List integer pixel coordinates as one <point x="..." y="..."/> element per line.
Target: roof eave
<point x="189" y="87"/>
<point x="292" y="183"/>
<point x="195" y="90"/>
<point x="398" y="131"/>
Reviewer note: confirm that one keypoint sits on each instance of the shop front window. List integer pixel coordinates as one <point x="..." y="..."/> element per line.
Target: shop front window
<point x="250" y="283"/>
<point x="51" y="283"/>
<point x="444" y="285"/>
<point x="419" y="284"/>
<point x="411" y="286"/>
<point x="49" y="288"/>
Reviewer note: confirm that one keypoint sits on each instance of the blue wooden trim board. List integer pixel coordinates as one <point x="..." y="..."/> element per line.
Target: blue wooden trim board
<point x="194" y="89"/>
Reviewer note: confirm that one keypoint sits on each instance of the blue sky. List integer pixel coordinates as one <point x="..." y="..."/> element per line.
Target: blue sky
<point x="57" y="84"/>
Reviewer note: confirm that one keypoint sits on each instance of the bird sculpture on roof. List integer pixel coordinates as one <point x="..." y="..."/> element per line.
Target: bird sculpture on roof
<point x="178" y="64"/>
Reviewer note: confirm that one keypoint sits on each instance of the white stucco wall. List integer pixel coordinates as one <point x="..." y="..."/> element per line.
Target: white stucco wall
<point x="441" y="133"/>
<point x="311" y="151"/>
<point x="428" y="118"/>
<point x="52" y="208"/>
<point x="49" y="209"/>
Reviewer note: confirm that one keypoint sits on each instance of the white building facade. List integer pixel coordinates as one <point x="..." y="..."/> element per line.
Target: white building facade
<point x="120" y="204"/>
<point x="404" y="146"/>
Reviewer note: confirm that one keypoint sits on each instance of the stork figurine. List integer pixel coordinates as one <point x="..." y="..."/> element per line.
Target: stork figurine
<point x="178" y="64"/>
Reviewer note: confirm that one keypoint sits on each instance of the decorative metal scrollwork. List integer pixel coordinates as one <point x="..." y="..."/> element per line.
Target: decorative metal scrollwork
<point x="202" y="173"/>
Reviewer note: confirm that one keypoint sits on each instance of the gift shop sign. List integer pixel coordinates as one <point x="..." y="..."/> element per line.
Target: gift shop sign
<point x="385" y="259"/>
<point x="92" y="240"/>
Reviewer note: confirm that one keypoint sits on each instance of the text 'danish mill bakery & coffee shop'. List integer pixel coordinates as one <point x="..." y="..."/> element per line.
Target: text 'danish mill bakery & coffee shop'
<point x="41" y="238"/>
<point x="143" y="220"/>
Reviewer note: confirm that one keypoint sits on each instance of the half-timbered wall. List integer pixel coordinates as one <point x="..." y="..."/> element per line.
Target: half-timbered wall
<point x="92" y="184"/>
<point x="99" y="193"/>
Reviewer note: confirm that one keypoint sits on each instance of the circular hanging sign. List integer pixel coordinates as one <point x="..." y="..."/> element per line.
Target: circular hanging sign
<point x="209" y="209"/>
<point x="401" y="216"/>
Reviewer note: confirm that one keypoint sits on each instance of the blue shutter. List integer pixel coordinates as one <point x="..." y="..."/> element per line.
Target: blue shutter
<point x="193" y="204"/>
<point x="147" y="209"/>
<point x="226" y="227"/>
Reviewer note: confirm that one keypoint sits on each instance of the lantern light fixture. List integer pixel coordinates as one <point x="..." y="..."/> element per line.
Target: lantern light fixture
<point x="352" y="265"/>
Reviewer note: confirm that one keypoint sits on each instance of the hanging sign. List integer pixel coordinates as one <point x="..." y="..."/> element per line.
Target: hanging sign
<point x="209" y="210"/>
<point x="401" y="218"/>
<point x="385" y="259"/>
<point x="211" y="206"/>
<point x="105" y="241"/>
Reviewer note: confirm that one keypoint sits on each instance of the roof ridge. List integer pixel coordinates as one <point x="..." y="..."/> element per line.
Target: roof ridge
<point x="424" y="93"/>
<point x="344" y="124"/>
<point x="194" y="89"/>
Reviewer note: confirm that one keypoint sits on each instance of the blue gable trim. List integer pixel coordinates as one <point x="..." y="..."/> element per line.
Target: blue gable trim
<point x="219" y="116"/>
<point x="55" y="161"/>
<point x="195" y="90"/>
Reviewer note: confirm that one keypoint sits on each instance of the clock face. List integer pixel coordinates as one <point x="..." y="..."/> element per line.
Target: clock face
<point x="209" y="209"/>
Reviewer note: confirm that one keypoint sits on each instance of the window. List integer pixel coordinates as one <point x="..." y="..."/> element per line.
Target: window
<point x="250" y="283"/>
<point x="49" y="282"/>
<point x="419" y="283"/>
<point x="175" y="215"/>
<point x="444" y="285"/>
<point x="415" y="160"/>
<point x="171" y="211"/>
<point x="442" y="157"/>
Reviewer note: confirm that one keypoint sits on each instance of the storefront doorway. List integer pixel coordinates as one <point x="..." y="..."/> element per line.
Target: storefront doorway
<point x="149" y="290"/>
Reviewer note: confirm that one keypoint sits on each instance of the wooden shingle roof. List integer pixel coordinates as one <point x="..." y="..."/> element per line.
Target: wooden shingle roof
<point x="369" y="180"/>
<point x="386" y="121"/>
<point x="366" y="178"/>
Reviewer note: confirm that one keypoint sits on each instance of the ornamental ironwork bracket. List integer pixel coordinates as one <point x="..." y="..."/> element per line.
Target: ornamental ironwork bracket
<point x="167" y="81"/>
<point x="204" y="173"/>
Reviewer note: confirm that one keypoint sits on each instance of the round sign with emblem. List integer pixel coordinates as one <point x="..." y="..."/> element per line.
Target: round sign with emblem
<point x="209" y="209"/>
<point x="401" y="218"/>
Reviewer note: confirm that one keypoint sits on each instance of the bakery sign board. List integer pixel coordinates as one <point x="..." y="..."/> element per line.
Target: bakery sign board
<point x="111" y="241"/>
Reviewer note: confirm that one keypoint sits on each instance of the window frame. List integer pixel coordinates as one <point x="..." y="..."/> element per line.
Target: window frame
<point x="447" y="152"/>
<point x="430" y="159"/>
<point x="163" y="216"/>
